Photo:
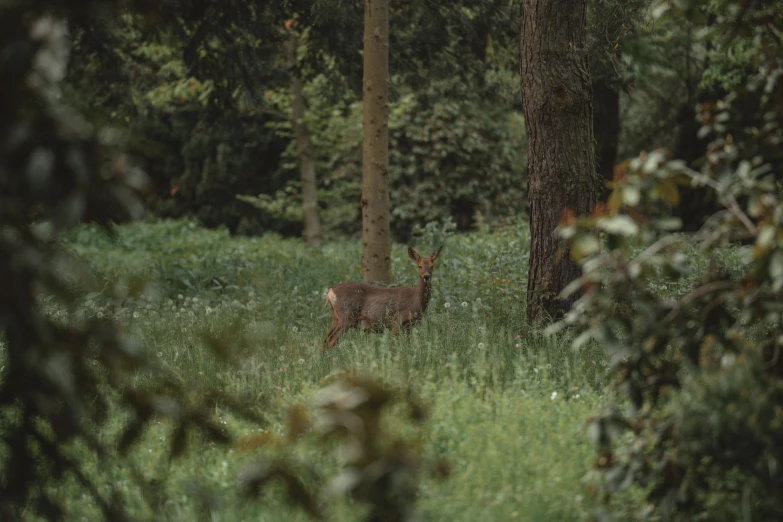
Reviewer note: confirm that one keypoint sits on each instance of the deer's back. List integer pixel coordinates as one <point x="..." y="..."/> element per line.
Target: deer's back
<point x="353" y="300"/>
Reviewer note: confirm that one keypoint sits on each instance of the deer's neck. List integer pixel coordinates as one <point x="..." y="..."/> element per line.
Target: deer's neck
<point x="425" y="292"/>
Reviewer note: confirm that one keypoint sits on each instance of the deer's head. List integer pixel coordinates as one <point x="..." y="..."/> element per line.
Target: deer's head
<point x="425" y="264"/>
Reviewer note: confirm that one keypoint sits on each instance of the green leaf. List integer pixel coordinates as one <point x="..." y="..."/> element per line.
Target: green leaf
<point x="776" y="265"/>
<point x="669" y="223"/>
<point x="763" y="241"/>
<point x="615" y="200"/>
<point x="631" y="195"/>
<point x="619" y="225"/>
<point x="669" y="192"/>
<point x="584" y="245"/>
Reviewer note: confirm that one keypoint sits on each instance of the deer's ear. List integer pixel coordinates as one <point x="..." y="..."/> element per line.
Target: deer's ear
<point x="413" y="254"/>
<point x="435" y="254"/>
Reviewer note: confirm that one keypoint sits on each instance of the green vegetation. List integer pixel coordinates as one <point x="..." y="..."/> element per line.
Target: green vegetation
<point x="508" y="407"/>
<point x="171" y="368"/>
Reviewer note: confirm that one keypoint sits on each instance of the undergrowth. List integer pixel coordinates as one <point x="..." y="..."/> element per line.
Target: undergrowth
<point x="508" y="406"/>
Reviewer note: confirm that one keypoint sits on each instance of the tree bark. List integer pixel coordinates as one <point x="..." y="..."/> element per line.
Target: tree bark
<point x="305" y="150"/>
<point x="376" y="239"/>
<point x="606" y="126"/>
<point x="557" y="105"/>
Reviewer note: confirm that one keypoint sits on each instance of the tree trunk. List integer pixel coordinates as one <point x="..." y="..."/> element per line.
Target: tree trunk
<point x="606" y="126"/>
<point x="557" y="104"/>
<point x="304" y="150"/>
<point x="376" y="239"/>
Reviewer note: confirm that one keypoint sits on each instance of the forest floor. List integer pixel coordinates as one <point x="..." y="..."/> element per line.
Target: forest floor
<point x="508" y="407"/>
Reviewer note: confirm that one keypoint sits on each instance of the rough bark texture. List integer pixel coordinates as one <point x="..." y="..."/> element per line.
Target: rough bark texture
<point x="376" y="239"/>
<point x="305" y="151"/>
<point x="606" y="126"/>
<point x="557" y="104"/>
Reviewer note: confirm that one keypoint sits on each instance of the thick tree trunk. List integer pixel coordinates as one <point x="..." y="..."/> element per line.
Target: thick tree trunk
<point x="304" y="150"/>
<point x="557" y="104"/>
<point x="376" y="239"/>
<point x="606" y="126"/>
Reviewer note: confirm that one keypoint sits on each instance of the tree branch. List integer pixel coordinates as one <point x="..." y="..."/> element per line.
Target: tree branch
<point x="729" y="201"/>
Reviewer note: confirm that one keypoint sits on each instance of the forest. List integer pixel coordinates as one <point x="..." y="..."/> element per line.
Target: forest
<point x="391" y="260"/>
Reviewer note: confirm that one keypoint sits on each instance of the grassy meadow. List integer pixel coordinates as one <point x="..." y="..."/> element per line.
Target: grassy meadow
<point x="508" y="406"/>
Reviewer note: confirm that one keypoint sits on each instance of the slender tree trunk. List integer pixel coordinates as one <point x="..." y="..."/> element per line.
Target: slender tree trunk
<point x="304" y="150"/>
<point x="376" y="239"/>
<point x="557" y="104"/>
<point x="606" y="126"/>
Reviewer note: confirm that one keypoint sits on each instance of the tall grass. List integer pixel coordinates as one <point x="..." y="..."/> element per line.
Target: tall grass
<point x="508" y="405"/>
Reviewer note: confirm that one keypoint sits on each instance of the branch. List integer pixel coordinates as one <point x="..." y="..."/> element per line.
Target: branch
<point x="701" y="291"/>
<point x="653" y="249"/>
<point x="728" y="200"/>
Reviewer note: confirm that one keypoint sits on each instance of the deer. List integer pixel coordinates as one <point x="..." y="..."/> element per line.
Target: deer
<point x="375" y="308"/>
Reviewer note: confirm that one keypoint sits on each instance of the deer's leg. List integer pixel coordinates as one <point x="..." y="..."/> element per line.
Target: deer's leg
<point x="329" y="334"/>
<point x="334" y="335"/>
<point x="328" y="341"/>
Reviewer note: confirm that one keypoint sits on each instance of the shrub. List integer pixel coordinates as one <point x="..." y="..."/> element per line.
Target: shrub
<point x="701" y="369"/>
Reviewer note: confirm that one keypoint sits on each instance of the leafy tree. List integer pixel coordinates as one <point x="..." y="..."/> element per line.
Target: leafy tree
<point x="209" y="106"/>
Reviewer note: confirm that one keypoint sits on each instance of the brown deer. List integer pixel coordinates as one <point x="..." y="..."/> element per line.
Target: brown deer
<point x="376" y="308"/>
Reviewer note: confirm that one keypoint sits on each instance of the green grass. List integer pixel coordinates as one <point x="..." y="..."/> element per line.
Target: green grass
<point x="508" y="405"/>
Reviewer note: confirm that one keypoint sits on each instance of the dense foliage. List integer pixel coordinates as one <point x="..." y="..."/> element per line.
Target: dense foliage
<point x="125" y="346"/>
<point x="209" y="107"/>
<point x="450" y="160"/>
<point x="56" y="170"/>
<point x="702" y="373"/>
